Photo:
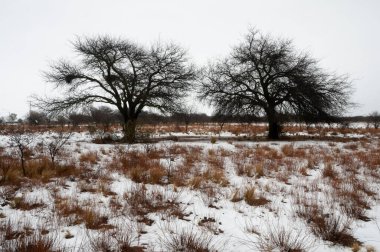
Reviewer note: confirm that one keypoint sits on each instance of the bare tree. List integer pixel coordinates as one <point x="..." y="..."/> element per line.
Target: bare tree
<point x="21" y="141"/>
<point x="374" y="119"/>
<point x="37" y="118"/>
<point x="103" y="115"/>
<point x="55" y="145"/>
<point x="122" y="74"/>
<point x="266" y="76"/>
<point x="81" y="117"/>
<point x="62" y="120"/>
<point x="185" y="114"/>
<point x="12" y="117"/>
<point x="221" y="120"/>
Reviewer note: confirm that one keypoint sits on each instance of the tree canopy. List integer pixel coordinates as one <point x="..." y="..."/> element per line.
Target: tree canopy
<point x="122" y="73"/>
<point x="268" y="76"/>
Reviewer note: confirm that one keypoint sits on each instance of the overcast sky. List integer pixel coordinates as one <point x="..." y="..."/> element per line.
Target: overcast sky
<point x="343" y="34"/>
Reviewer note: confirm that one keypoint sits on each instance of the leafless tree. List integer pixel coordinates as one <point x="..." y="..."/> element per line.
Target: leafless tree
<point x="221" y="120"/>
<point x="81" y="117"/>
<point x="185" y="114"/>
<point x="374" y="119"/>
<point x="21" y="141"/>
<point x="266" y="76"/>
<point x="12" y="117"/>
<point x="37" y="118"/>
<point x="123" y="74"/>
<point x="62" y="120"/>
<point x="55" y="145"/>
<point x="103" y="115"/>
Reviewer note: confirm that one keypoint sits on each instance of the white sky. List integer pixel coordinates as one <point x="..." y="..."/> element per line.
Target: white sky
<point x="343" y="34"/>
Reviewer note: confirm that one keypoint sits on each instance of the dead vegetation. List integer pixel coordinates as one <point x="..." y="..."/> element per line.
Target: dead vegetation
<point x="330" y="186"/>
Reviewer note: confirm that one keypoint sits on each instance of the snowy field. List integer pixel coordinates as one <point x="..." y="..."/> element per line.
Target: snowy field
<point x="316" y="190"/>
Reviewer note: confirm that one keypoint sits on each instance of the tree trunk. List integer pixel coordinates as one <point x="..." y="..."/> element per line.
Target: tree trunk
<point x="274" y="130"/>
<point x="274" y="125"/>
<point x="130" y="131"/>
<point x="23" y="164"/>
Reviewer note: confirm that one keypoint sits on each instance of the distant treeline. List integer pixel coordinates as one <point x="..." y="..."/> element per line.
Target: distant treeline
<point x="106" y="116"/>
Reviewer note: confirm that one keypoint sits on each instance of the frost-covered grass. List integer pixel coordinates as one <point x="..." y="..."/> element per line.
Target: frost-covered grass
<point x="317" y="190"/>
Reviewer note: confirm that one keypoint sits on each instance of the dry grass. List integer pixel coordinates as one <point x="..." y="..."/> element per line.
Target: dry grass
<point x="38" y="170"/>
<point x="73" y="212"/>
<point x="326" y="223"/>
<point x="15" y="237"/>
<point x="329" y="171"/>
<point x="140" y="202"/>
<point x="119" y="239"/>
<point x="188" y="240"/>
<point x="25" y="205"/>
<point x="237" y="196"/>
<point x="90" y="157"/>
<point x="353" y="201"/>
<point x="32" y="243"/>
<point x="211" y="224"/>
<point x="93" y="219"/>
<point x="252" y="198"/>
<point x="346" y="170"/>
<point x="138" y="167"/>
<point x="280" y="238"/>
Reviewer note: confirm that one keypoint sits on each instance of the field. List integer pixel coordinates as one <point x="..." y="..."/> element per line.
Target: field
<point x="212" y="188"/>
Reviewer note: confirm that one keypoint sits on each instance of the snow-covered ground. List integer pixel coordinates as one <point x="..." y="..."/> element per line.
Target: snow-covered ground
<point x="228" y="195"/>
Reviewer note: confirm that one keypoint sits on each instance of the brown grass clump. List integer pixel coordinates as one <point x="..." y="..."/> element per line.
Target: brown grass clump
<point x="180" y="174"/>
<point x="7" y="163"/>
<point x="103" y="186"/>
<point x="243" y="169"/>
<point x="178" y="150"/>
<point x="33" y="243"/>
<point x="151" y="173"/>
<point x="259" y="170"/>
<point x="93" y="219"/>
<point x="75" y="213"/>
<point x="188" y="240"/>
<point x="119" y="239"/>
<point x="216" y="176"/>
<point x="237" y="196"/>
<point x="325" y="223"/>
<point x="329" y="171"/>
<point x="351" y="146"/>
<point x="353" y="201"/>
<point x="252" y="199"/>
<point x="22" y="204"/>
<point x="141" y="202"/>
<point x="69" y="209"/>
<point x="283" y="239"/>
<point x="355" y="247"/>
<point x="214" y="160"/>
<point x="154" y="153"/>
<point x="288" y="150"/>
<point x="210" y="175"/>
<point x="89" y="158"/>
<point x="139" y="168"/>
